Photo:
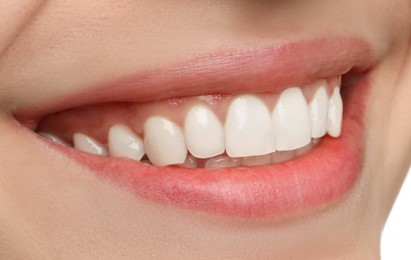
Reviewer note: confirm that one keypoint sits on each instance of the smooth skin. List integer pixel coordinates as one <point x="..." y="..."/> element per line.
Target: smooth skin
<point x="52" y="208"/>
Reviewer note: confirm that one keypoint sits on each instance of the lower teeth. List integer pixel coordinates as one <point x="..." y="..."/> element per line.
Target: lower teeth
<point x="224" y="161"/>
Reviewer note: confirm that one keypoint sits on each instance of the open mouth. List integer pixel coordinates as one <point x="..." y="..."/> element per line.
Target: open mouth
<point x="211" y="131"/>
<point x="248" y="133"/>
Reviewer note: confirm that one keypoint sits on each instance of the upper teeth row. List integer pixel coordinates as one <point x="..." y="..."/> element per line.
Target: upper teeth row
<point x="250" y="129"/>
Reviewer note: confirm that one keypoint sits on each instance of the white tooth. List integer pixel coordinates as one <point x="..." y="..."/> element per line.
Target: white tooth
<point x="279" y="157"/>
<point x="123" y="142"/>
<point x="318" y="113"/>
<point x="291" y="120"/>
<point x="222" y="162"/>
<point x="248" y="128"/>
<point x="190" y="162"/>
<point x="203" y="132"/>
<point x="164" y="142"/>
<point x="87" y="144"/>
<point x="335" y="112"/>
<point x="53" y="138"/>
<point x="256" y="160"/>
<point x="304" y="149"/>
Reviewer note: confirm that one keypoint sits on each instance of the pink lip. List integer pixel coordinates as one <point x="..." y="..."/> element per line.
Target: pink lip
<point x="269" y="69"/>
<point x="321" y="177"/>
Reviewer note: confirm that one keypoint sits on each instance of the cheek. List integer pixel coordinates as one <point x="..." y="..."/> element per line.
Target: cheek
<point x="399" y="139"/>
<point x="40" y="204"/>
<point x="389" y="126"/>
<point x="15" y="15"/>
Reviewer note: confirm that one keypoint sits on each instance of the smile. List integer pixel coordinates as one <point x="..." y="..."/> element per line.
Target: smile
<point x="250" y="133"/>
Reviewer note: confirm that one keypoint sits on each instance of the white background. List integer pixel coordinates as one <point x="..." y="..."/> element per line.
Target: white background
<point x="396" y="240"/>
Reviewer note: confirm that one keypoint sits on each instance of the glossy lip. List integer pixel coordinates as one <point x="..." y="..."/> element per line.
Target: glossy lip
<point x="319" y="178"/>
<point x="266" y="69"/>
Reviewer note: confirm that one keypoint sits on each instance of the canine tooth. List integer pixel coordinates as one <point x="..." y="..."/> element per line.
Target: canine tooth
<point x="123" y="142"/>
<point x="248" y="128"/>
<point x="53" y="138"/>
<point x="222" y="162"/>
<point x="87" y="144"/>
<point x="164" y="142"/>
<point x="335" y="112"/>
<point x="203" y="132"/>
<point x="318" y="112"/>
<point x="256" y="160"/>
<point x="291" y="120"/>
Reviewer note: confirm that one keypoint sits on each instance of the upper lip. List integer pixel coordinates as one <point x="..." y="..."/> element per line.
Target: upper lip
<point x="266" y="69"/>
<point x="320" y="177"/>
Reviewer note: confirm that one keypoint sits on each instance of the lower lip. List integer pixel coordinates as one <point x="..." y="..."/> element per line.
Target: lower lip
<point x="320" y="178"/>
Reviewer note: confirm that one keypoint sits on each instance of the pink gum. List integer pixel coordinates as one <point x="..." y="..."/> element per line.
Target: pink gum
<point x="96" y="120"/>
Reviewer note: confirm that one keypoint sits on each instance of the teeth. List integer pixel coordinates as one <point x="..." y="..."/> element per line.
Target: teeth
<point x="251" y="135"/>
<point x="53" y="138"/>
<point x="279" y="157"/>
<point x="87" y="144"/>
<point x="203" y="132"/>
<point x="248" y="128"/>
<point x="190" y="162"/>
<point x="306" y="148"/>
<point x="318" y="112"/>
<point x="222" y="162"/>
<point x="123" y="142"/>
<point x="291" y="119"/>
<point x="164" y="142"/>
<point x="256" y="160"/>
<point x="335" y="112"/>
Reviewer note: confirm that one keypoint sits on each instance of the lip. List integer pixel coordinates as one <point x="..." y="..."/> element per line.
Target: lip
<point x="319" y="178"/>
<point x="265" y="69"/>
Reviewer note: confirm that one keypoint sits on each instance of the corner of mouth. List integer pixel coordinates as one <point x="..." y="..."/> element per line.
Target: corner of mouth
<point x="319" y="177"/>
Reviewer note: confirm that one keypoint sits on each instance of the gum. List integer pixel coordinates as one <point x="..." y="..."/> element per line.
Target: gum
<point x="96" y="120"/>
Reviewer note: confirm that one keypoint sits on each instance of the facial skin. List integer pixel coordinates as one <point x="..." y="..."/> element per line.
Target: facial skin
<point x="53" y="208"/>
